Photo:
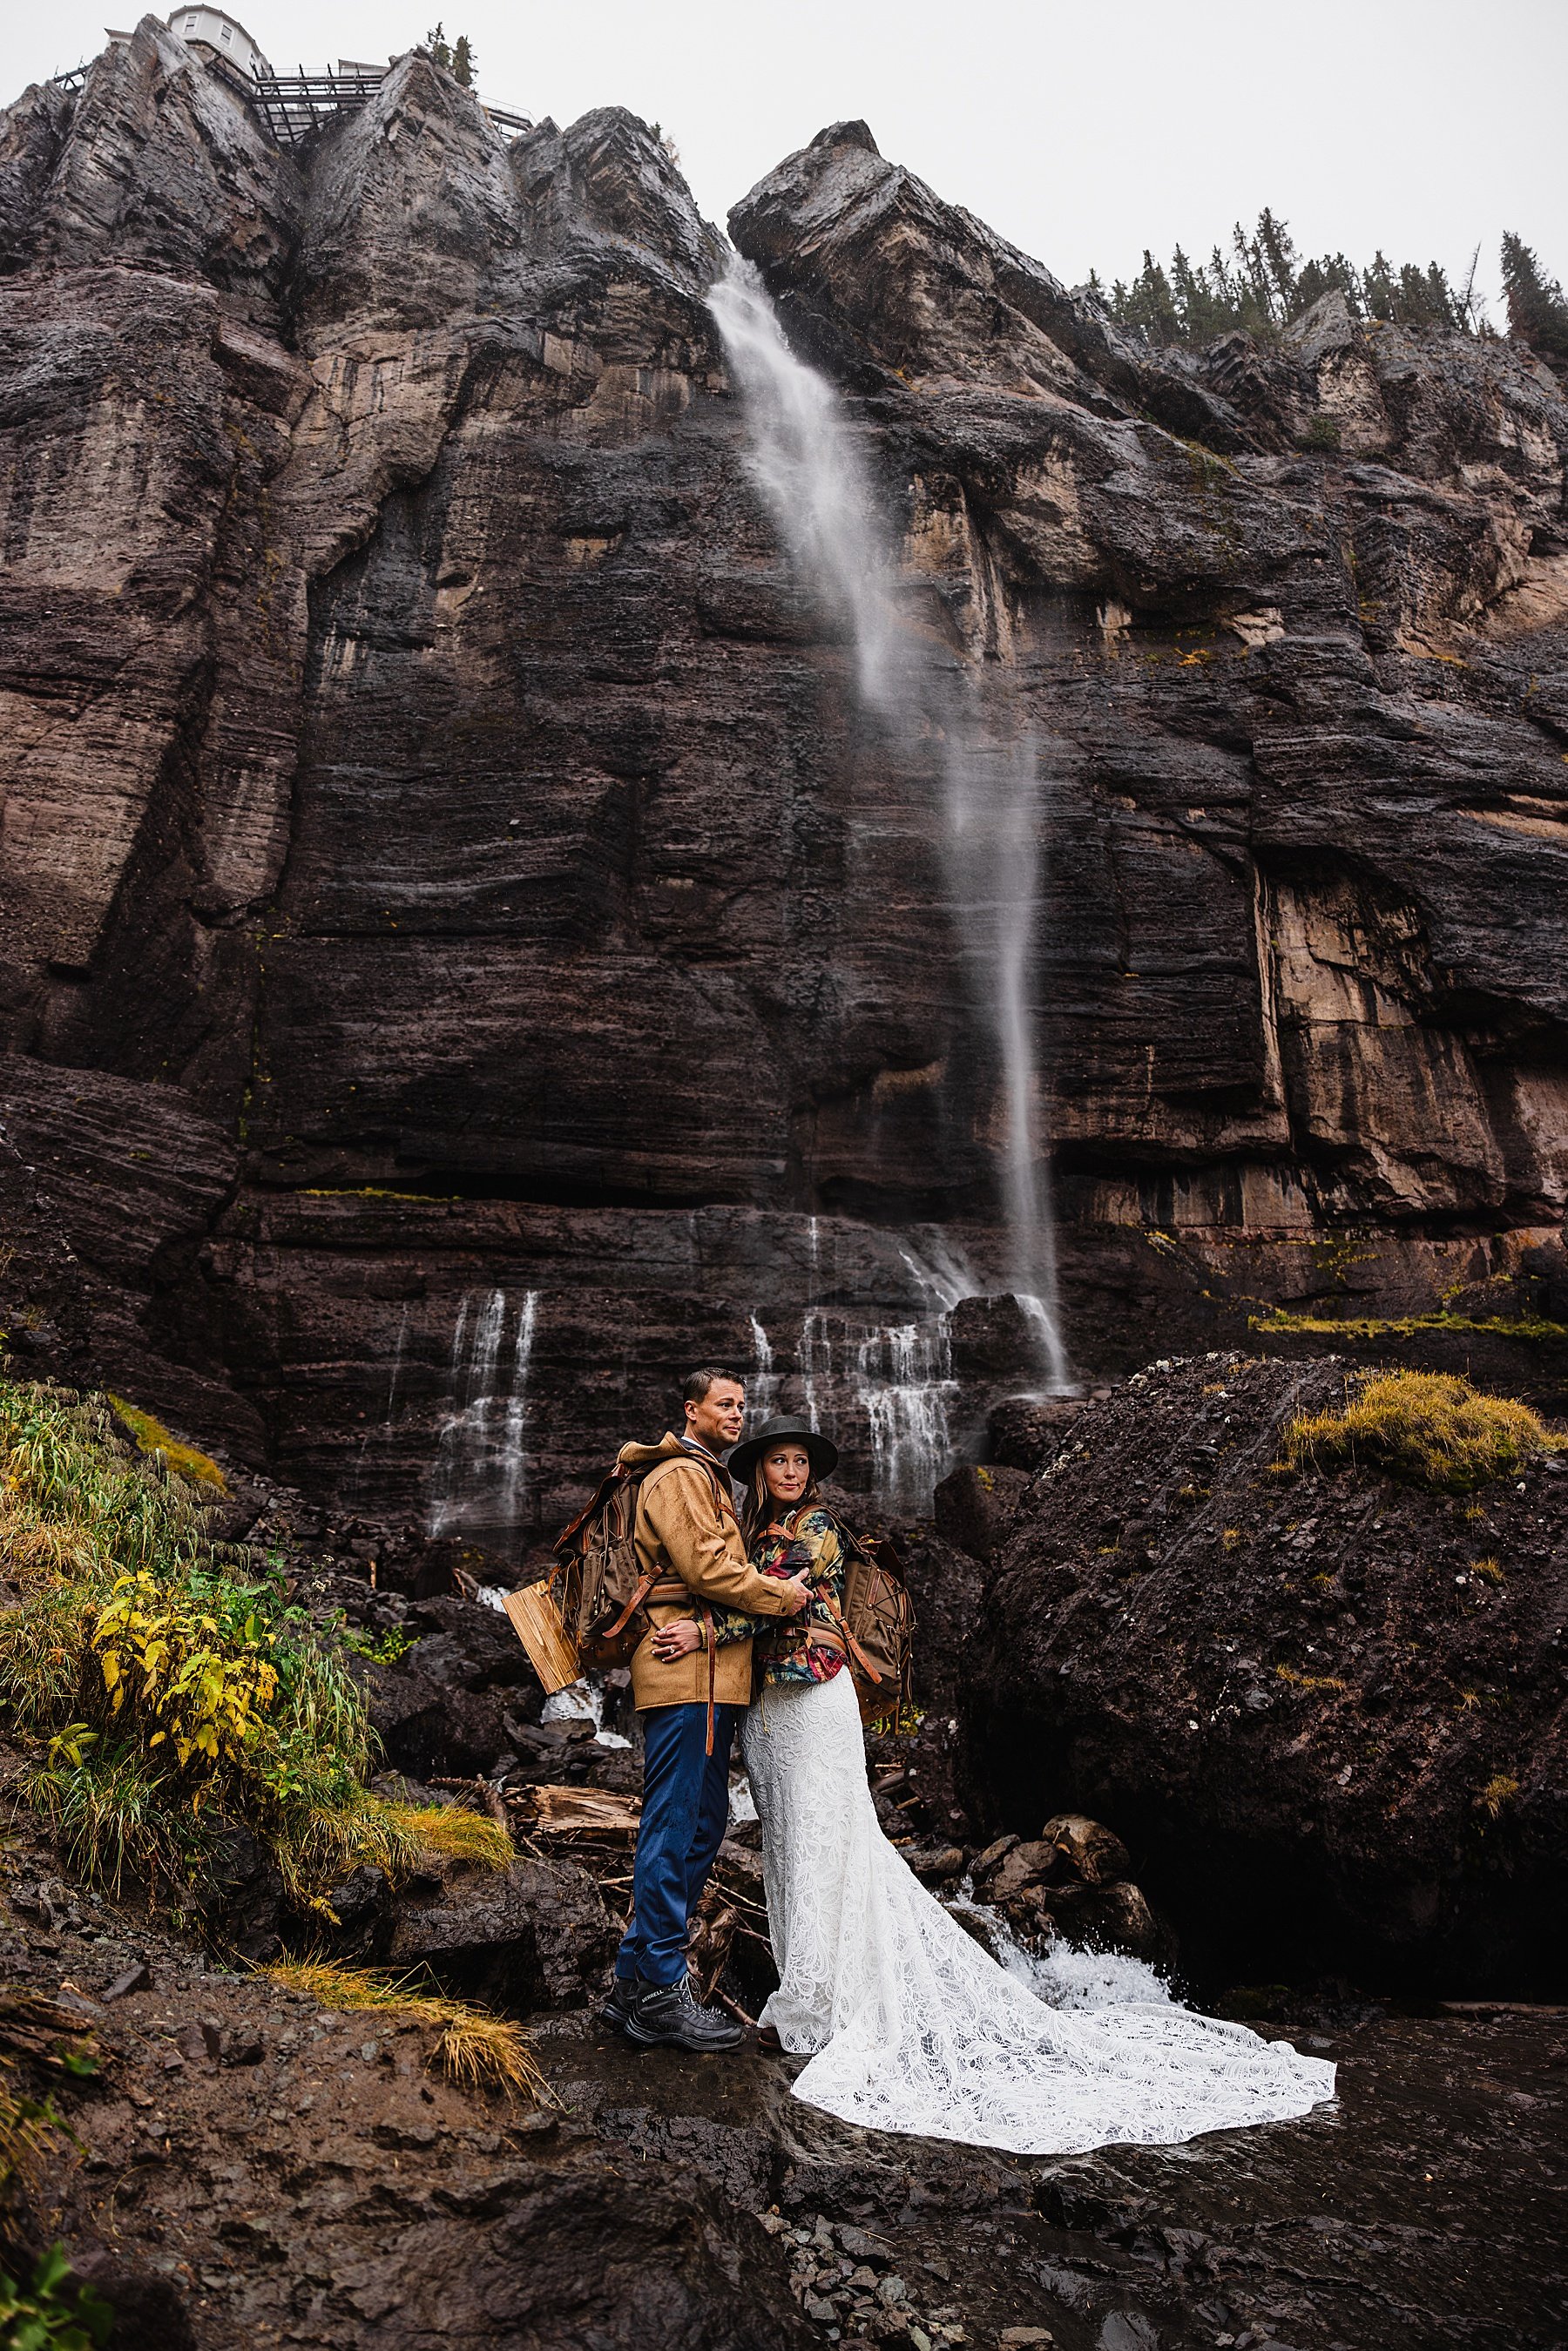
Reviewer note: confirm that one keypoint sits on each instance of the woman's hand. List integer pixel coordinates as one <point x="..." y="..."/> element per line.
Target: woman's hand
<point x="676" y="1640"/>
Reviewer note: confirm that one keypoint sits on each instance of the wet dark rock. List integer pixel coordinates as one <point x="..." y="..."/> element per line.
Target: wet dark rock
<point x="430" y="1729"/>
<point x="975" y="1503"/>
<point x="1091" y="1850"/>
<point x="361" y="1906"/>
<point x="135" y="1977"/>
<point x="1326" y="1740"/>
<point x="1024" y="1433"/>
<point x="242" y="1892"/>
<point x="937" y="1864"/>
<point x="1105" y="1919"/>
<point x="534" y="1936"/>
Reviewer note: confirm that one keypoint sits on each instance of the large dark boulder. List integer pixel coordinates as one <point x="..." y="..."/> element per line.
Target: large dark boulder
<point x="1322" y="1710"/>
<point x="534" y="1936"/>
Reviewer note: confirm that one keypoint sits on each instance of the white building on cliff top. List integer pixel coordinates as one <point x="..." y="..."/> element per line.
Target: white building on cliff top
<point x="215" y="30"/>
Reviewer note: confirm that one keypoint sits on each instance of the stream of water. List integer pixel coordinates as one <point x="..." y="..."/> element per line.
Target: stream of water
<point x="478" y="1484"/>
<point x="811" y="473"/>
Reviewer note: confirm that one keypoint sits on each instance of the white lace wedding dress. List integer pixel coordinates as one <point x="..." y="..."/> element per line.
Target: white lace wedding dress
<point x="912" y="2027"/>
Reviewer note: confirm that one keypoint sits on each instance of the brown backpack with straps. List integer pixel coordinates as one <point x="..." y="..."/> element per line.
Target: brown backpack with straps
<point x="601" y="1587"/>
<point x="877" y="1620"/>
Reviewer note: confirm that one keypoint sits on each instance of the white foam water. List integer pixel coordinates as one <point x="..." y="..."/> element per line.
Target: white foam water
<point x="582" y="1701"/>
<point x="1062" y="1975"/>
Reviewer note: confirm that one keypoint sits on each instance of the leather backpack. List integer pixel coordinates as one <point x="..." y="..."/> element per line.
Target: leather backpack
<point x="877" y="1619"/>
<point x="602" y="1588"/>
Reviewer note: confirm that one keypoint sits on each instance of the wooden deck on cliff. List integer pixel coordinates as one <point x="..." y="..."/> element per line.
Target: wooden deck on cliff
<point x="293" y="105"/>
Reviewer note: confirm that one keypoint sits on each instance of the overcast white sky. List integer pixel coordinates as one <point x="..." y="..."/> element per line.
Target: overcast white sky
<point x="1082" y="132"/>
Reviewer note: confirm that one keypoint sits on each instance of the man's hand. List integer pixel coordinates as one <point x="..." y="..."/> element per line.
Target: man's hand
<point x="800" y="1586"/>
<point x="676" y="1640"/>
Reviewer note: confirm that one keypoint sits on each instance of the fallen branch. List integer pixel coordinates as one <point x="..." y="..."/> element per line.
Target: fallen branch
<point x="487" y="1794"/>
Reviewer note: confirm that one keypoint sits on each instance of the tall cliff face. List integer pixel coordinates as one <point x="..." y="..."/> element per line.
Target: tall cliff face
<point x="462" y="957"/>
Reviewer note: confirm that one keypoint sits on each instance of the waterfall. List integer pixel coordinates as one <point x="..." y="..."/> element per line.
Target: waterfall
<point x="805" y="460"/>
<point x="884" y="1392"/>
<point x="762" y="1388"/>
<point x="478" y="1484"/>
<point x="903" y="1381"/>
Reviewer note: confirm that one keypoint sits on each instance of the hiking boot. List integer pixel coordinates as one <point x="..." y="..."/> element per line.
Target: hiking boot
<point x="619" y="2003"/>
<point x="669" y="2016"/>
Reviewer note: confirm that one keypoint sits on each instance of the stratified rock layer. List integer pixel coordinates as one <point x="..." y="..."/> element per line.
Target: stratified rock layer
<point x="464" y="958"/>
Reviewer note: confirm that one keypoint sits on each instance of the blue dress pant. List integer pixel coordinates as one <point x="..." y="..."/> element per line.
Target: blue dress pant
<point x="685" y="1809"/>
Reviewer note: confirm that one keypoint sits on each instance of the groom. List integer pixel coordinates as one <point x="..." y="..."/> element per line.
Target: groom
<point x="689" y="1693"/>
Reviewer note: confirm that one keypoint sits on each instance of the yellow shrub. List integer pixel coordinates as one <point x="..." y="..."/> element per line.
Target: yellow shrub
<point x="1430" y="1427"/>
<point x="157" y="1647"/>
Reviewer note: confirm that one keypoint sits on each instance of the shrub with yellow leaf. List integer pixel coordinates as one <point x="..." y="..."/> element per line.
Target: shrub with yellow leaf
<point x="171" y="1688"/>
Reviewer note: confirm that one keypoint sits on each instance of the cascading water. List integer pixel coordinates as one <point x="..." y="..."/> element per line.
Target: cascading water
<point x="762" y="1386"/>
<point x="895" y="1380"/>
<point x="903" y="1382"/>
<point x="811" y="473"/>
<point x="477" y="1485"/>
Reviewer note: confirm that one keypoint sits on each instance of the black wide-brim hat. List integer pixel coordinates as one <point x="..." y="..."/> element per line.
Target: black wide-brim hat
<point x="787" y="1428"/>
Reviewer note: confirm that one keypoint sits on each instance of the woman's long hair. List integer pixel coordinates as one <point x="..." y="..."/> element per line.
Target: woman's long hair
<point x="761" y="1506"/>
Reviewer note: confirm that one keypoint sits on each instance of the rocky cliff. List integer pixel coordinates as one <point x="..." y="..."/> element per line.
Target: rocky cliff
<point x="461" y="954"/>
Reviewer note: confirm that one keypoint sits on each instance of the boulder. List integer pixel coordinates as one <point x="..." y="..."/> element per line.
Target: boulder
<point x="1094" y="1854"/>
<point x="1104" y="1919"/>
<point x="534" y="1936"/>
<point x="974" y="1504"/>
<point x="432" y="1729"/>
<point x="1321" y="1707"/>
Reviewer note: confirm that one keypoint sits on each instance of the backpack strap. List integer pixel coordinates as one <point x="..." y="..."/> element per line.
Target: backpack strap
<point x="853" y="1646"/>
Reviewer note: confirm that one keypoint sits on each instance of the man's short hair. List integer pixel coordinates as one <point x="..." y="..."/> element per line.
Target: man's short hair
<point x="699" y="1383"/>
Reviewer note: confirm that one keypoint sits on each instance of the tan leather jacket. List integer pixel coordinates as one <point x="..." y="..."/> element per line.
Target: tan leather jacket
<point x="683" y="1530"/>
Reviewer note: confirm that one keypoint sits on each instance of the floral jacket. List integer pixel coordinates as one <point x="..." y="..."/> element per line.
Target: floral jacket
<point x="785" y="1650"/>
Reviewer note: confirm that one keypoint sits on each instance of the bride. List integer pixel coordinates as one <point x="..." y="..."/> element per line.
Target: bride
<point x="908" y="2023"/>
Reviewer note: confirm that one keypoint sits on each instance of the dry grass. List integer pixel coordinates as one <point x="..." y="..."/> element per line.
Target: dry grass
<point x="455" y="1831"/>
<point x="476" y="2050"/>
<point x="31" y="2133"/>
<point x="332" y="1841"/>
<point x="1431" y="1428"/>
<point x="1499" y="1792"/>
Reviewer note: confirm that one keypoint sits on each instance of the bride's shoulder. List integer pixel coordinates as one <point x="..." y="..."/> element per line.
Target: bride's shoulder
<point x="816" y="1519"/>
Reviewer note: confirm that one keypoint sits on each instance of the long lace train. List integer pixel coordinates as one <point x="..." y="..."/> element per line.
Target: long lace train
<point x="914" y="2028"/>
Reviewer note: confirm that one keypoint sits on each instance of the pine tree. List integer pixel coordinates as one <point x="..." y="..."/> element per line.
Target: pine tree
<point x="1260" y="286"/>
<point x="440" y="55"/>
<point x="463" y="62"/>
<point x="1537" y="308"/>
<point x="1279" y="258"/>
<point x="1148" y="306"/>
